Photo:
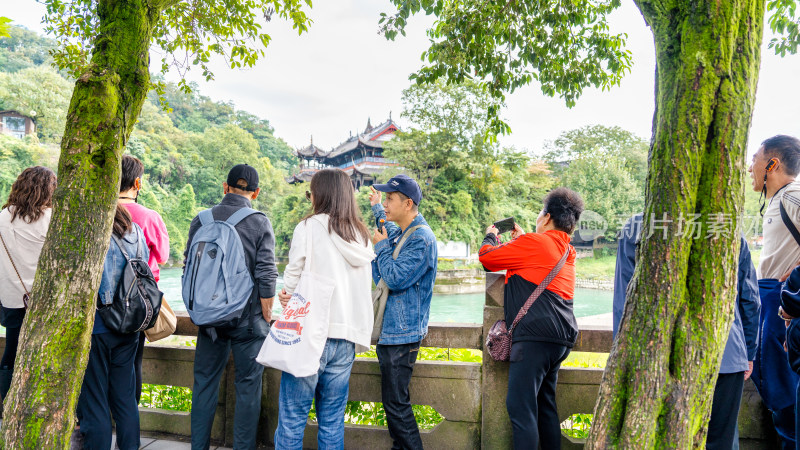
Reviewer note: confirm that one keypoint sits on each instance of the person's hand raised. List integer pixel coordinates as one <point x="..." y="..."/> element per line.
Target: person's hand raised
<point x="374" y="196"/>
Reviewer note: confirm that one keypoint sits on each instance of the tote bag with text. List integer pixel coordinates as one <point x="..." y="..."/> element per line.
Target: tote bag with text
<point x="296" y="340"/>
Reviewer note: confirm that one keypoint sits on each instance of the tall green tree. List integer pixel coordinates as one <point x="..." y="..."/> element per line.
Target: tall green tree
<point x="41" y="93"/>
<point x="21" y="48"/>
<point x="663" y="365"/>
<point x="607" y="166"/>
<point x="465" y="178"/>
<point x="106" y="45"/>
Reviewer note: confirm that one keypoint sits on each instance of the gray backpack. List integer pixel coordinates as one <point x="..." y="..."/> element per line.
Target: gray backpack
<point x="216" y="282"/>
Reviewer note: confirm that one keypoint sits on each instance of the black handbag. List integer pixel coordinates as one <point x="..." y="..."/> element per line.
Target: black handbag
<point x="137" y="300"/>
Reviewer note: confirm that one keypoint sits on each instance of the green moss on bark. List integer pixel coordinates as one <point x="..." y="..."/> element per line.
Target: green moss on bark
<point x="108" y="96"/>
<point x="658" y="385"/>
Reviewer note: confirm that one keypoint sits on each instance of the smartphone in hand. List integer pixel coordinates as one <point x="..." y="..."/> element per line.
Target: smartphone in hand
<point x="504" y="225"/>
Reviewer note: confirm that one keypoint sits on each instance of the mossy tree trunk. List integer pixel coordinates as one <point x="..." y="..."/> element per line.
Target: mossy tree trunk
<point x="39" y="411"/>
<point x="658" y="386"/>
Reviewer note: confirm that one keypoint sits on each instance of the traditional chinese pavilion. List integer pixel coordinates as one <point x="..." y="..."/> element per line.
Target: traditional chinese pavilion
<point x="361" y="156"/>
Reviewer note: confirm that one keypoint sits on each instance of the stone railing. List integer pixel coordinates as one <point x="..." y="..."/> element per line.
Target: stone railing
<point x="470" y="396"/>
<point x="452" y="388"/>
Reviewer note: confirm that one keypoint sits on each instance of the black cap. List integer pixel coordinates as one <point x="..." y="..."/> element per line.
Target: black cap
<point x="246" y="173"/>
<point x="404" y="185"/>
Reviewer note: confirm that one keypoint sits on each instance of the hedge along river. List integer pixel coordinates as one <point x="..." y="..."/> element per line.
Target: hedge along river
<point x="459" y="308"/>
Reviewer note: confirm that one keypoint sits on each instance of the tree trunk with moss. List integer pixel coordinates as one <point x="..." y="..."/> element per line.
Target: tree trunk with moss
<point x="658" y="386"/>
<point x="39" y="411"/>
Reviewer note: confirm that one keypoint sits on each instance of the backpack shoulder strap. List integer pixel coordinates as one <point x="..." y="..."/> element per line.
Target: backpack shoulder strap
<point x="139" y="237"/>
<point x="206" y="217"/>
<point x="407" y="234"/>
<point x="788" y="222"/>
<point x="119" y="244"/>
<point x="239" y="215"/>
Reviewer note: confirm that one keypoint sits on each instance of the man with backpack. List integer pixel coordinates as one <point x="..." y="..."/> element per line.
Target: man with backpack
<point x="409" y="276"/>
<point x="228" y="288"/>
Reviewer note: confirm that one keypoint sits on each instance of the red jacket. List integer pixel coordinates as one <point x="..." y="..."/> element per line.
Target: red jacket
<point x="527" y="261"/>
<point x="533" y="256"/>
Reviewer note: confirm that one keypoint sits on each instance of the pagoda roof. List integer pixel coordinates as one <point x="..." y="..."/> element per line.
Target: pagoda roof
<point x="311" y="151"/>
<point x="302" y="177"/>
<point x="372" y="137"/>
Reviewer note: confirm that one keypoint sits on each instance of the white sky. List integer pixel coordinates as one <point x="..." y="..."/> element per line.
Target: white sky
<point x="328" y="81"/>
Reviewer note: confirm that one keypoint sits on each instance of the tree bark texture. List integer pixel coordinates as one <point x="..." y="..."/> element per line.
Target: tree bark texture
<point x="39" y="411"/>
<point x="658" y="385"/>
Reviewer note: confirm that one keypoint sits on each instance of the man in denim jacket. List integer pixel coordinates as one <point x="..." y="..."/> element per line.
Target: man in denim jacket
<point x="410" y="279"/>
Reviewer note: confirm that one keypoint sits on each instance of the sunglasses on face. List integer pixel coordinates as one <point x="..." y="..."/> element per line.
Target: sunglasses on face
<point x="308" y="195"/>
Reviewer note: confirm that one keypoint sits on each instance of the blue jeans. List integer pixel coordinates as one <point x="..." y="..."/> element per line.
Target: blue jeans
<point x="328" y="388"/>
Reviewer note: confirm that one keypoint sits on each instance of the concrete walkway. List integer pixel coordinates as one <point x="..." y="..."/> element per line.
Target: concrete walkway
<point x="162" y="443"/>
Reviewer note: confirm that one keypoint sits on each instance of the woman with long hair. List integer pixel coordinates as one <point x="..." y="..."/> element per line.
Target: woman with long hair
<point x="24" y="221"/>
<point x="109" y="385"/>
<point x="342" y="251"/>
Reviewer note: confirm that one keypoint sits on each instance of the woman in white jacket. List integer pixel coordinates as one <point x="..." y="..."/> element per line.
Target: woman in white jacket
<point x="341" y="251"/>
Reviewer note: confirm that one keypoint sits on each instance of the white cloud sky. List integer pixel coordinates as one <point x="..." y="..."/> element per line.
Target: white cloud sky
<point x="329" y="81"/>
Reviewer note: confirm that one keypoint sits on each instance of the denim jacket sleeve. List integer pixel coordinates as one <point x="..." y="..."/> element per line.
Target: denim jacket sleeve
<point x="749" y="301"/>
<point x="412" y="263"/>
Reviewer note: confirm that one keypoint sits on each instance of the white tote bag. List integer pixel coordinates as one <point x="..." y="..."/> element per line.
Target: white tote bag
<point x="296" y="340"/>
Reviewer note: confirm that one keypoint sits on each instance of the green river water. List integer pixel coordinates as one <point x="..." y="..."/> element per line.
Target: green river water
<point x="459" y="308"/>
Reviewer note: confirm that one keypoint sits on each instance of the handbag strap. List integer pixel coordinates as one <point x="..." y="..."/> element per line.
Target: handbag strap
<point x="309" y="248"/>
<point x="788" y="222"/>
<point x="404" y="238"/>
<point x="539" y="289"/>
<point x="14" y="265"/>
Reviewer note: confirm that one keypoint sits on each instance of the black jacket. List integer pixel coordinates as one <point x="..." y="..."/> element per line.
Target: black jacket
<point x="550" y="319"/>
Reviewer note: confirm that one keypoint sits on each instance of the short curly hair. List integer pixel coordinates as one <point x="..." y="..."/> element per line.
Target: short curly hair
<point x="565" y="207"/>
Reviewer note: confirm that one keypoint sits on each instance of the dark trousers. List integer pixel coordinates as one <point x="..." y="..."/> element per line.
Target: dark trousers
<point x="137" y="365"/>
<point x="725" y="411"/>
<point x="210" y="358"/>
<point x="397" y="364"/>
<point x="109" y="390"/>
<point x="531" y="400"/>
<point x="12" y="320"/>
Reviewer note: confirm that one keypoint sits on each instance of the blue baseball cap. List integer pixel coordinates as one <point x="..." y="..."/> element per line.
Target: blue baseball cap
<point x="402" y="184"/>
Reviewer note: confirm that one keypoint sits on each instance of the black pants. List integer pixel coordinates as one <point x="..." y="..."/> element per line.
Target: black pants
<point x="109" y="389"/>
<point x="531" y="400"/>
<point x="137" y="366"/>
<point x="12" y="320"/>
<point x="725" y="411"/>
<point x="210" y="358"/>
<point x="397" y="364"/>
